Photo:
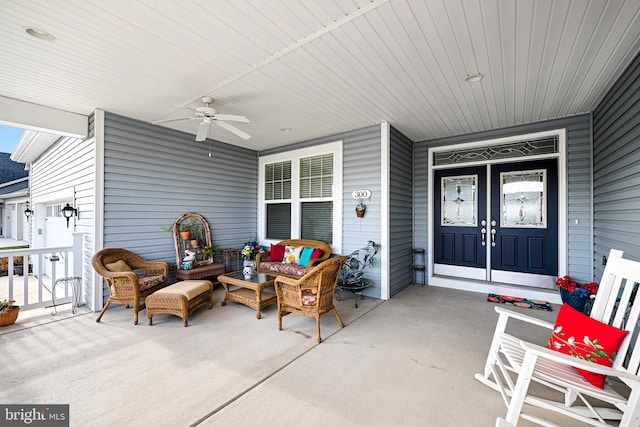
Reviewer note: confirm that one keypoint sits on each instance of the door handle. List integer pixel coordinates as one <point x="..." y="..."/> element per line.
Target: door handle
<point x="493" y="237"/>
<point x="483" y="232"/>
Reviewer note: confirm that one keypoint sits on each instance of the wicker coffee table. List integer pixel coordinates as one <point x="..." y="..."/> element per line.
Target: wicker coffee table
<point x="248" y="291"/>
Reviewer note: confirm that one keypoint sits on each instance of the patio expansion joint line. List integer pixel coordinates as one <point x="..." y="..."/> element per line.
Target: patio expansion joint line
<point x="264" y="379"/>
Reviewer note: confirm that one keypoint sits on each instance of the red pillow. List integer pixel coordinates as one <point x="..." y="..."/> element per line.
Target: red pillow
<point x="581" y="336"/>
<point x="316" y="254"/>
<point x="277" y="253"/>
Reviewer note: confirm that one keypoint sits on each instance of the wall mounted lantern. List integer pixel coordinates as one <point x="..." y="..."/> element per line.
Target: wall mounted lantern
<point x="28" y="212"/>
<point x="68" y="212"/>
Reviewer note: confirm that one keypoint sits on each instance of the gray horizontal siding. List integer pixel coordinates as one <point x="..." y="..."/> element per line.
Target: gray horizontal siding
<point x="361" y="170"/>
<point x="153" y="175"/>
<point x="400" y="211"/>
<point x="579" y="203"/>
<point x="362" y="164"/>
<point x="616" y="172"/>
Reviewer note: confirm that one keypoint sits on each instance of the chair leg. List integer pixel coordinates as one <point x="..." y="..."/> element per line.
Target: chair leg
<point x="318" y="327"/>
<point x="136" y="308"/>
<point x="279" y="320"/>
<point x="338" y="318"/>
<point x="102" y="312"/>
<point x="520" y="391"/>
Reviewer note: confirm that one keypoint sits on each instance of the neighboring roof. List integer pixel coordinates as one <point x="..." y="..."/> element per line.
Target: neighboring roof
<point x="10" y="170"/>
<point x="15" y="188"/>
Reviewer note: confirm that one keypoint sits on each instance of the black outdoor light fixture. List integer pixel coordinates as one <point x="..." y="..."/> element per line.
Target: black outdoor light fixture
<point x="68" y="212"/>
<point x="28" y="212"/>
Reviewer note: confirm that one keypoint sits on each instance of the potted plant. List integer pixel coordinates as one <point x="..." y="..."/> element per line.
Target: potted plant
<point x="249" y="252"/>
<point x="352" y="273"/>
<point x="8" y="312"/>
<point x="210" y="250"/>
<point x="574" y="294"/>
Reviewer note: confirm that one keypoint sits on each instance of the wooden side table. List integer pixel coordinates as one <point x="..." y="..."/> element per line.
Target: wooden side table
<point x="200" y="272"/>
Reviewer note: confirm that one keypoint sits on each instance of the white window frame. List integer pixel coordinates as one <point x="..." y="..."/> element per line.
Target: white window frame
<point x="294" y="156"/>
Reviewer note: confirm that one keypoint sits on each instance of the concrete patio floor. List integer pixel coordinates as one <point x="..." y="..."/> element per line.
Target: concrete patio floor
<point x="408" y="361"/>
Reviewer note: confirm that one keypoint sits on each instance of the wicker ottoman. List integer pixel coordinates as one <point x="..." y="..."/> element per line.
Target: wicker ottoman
<point x="180" y="299"/>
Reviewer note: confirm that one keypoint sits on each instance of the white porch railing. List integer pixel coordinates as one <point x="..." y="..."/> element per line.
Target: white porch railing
<point x="44" y="270"/>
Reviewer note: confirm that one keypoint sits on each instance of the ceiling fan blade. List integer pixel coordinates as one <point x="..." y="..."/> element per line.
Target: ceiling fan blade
<point x="203" y="129"/>
<point x="172" y="120"/>
<point x="231" y="118"/>
<point x="234" y="130"/>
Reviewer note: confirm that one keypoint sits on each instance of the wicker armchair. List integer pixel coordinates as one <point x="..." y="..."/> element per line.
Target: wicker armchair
<point x="125" y="285"/>
<point x="312" y="294"/>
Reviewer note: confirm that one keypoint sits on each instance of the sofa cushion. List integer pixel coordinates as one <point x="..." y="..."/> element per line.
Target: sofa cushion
<point x="150" y="281"/>
<point x="118" y="266"/>
<point x="281" y="267"/>
<point x="292" y="254"/>
<point x="309" y="297"/>
<point x="277" y="253"/>
<point x="317" y="253"/>
<point x="305" y="256"/>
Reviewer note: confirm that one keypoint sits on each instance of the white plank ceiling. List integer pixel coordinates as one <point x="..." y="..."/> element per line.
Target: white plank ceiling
<point x="320" y="67"/>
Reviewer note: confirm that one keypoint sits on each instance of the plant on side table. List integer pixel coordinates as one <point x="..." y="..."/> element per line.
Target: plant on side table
<point x="8" y="312"/>
<point x="249" y="252"/>
<point x="210" y="250"/>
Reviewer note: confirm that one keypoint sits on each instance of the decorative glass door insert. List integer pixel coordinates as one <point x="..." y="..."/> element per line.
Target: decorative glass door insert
<point x="523" y="195"/>
<point x="459" y="200"/>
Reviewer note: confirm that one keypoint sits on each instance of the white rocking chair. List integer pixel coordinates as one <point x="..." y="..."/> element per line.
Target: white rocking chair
<point x="513" y="363"/>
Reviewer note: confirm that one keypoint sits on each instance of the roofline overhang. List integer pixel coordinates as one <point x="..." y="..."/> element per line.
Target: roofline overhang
<point x="44" y="126"/>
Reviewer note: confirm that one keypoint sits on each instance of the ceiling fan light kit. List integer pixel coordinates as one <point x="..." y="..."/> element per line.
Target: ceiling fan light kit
<point x="209" y="115"/>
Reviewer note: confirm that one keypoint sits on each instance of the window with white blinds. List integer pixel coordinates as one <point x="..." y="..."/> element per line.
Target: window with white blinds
<point x="298" y="194"/>
<point x="316" y="176"/>
<point x="277" y="181"/>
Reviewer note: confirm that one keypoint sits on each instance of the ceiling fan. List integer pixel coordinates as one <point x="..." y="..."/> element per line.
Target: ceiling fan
<point x="209" y="115"/>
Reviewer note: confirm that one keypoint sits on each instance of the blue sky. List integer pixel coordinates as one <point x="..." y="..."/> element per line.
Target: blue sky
<point x="9" y="138"/>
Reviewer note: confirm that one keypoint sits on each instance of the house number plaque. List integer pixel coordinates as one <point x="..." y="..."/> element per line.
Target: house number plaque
<point x="361" y="194"/>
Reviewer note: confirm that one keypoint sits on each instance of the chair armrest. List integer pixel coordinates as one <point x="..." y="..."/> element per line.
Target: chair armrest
<point x="286" y="281"/>
<point x="123" y="283"/>
<point x="152" y="268"/>
<point x="288" y="290"/>
<point x="262" y="257"/>
<point x="577" y="363"/>
<point x="523" y="317"/>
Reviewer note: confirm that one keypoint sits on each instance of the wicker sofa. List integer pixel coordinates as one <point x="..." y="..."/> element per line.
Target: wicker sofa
<point x="264" y="264"/>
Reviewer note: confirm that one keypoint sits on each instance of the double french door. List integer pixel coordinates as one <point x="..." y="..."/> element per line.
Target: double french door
<point x="498" y="222"/>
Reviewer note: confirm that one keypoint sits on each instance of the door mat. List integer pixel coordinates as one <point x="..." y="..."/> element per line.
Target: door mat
<point x="519" y="302"/>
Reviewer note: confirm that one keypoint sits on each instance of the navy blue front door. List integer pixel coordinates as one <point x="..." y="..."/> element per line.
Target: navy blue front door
<point x="526" y="217"/>
<point x="497" y="222"/>
<point x="460" y="206"/>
